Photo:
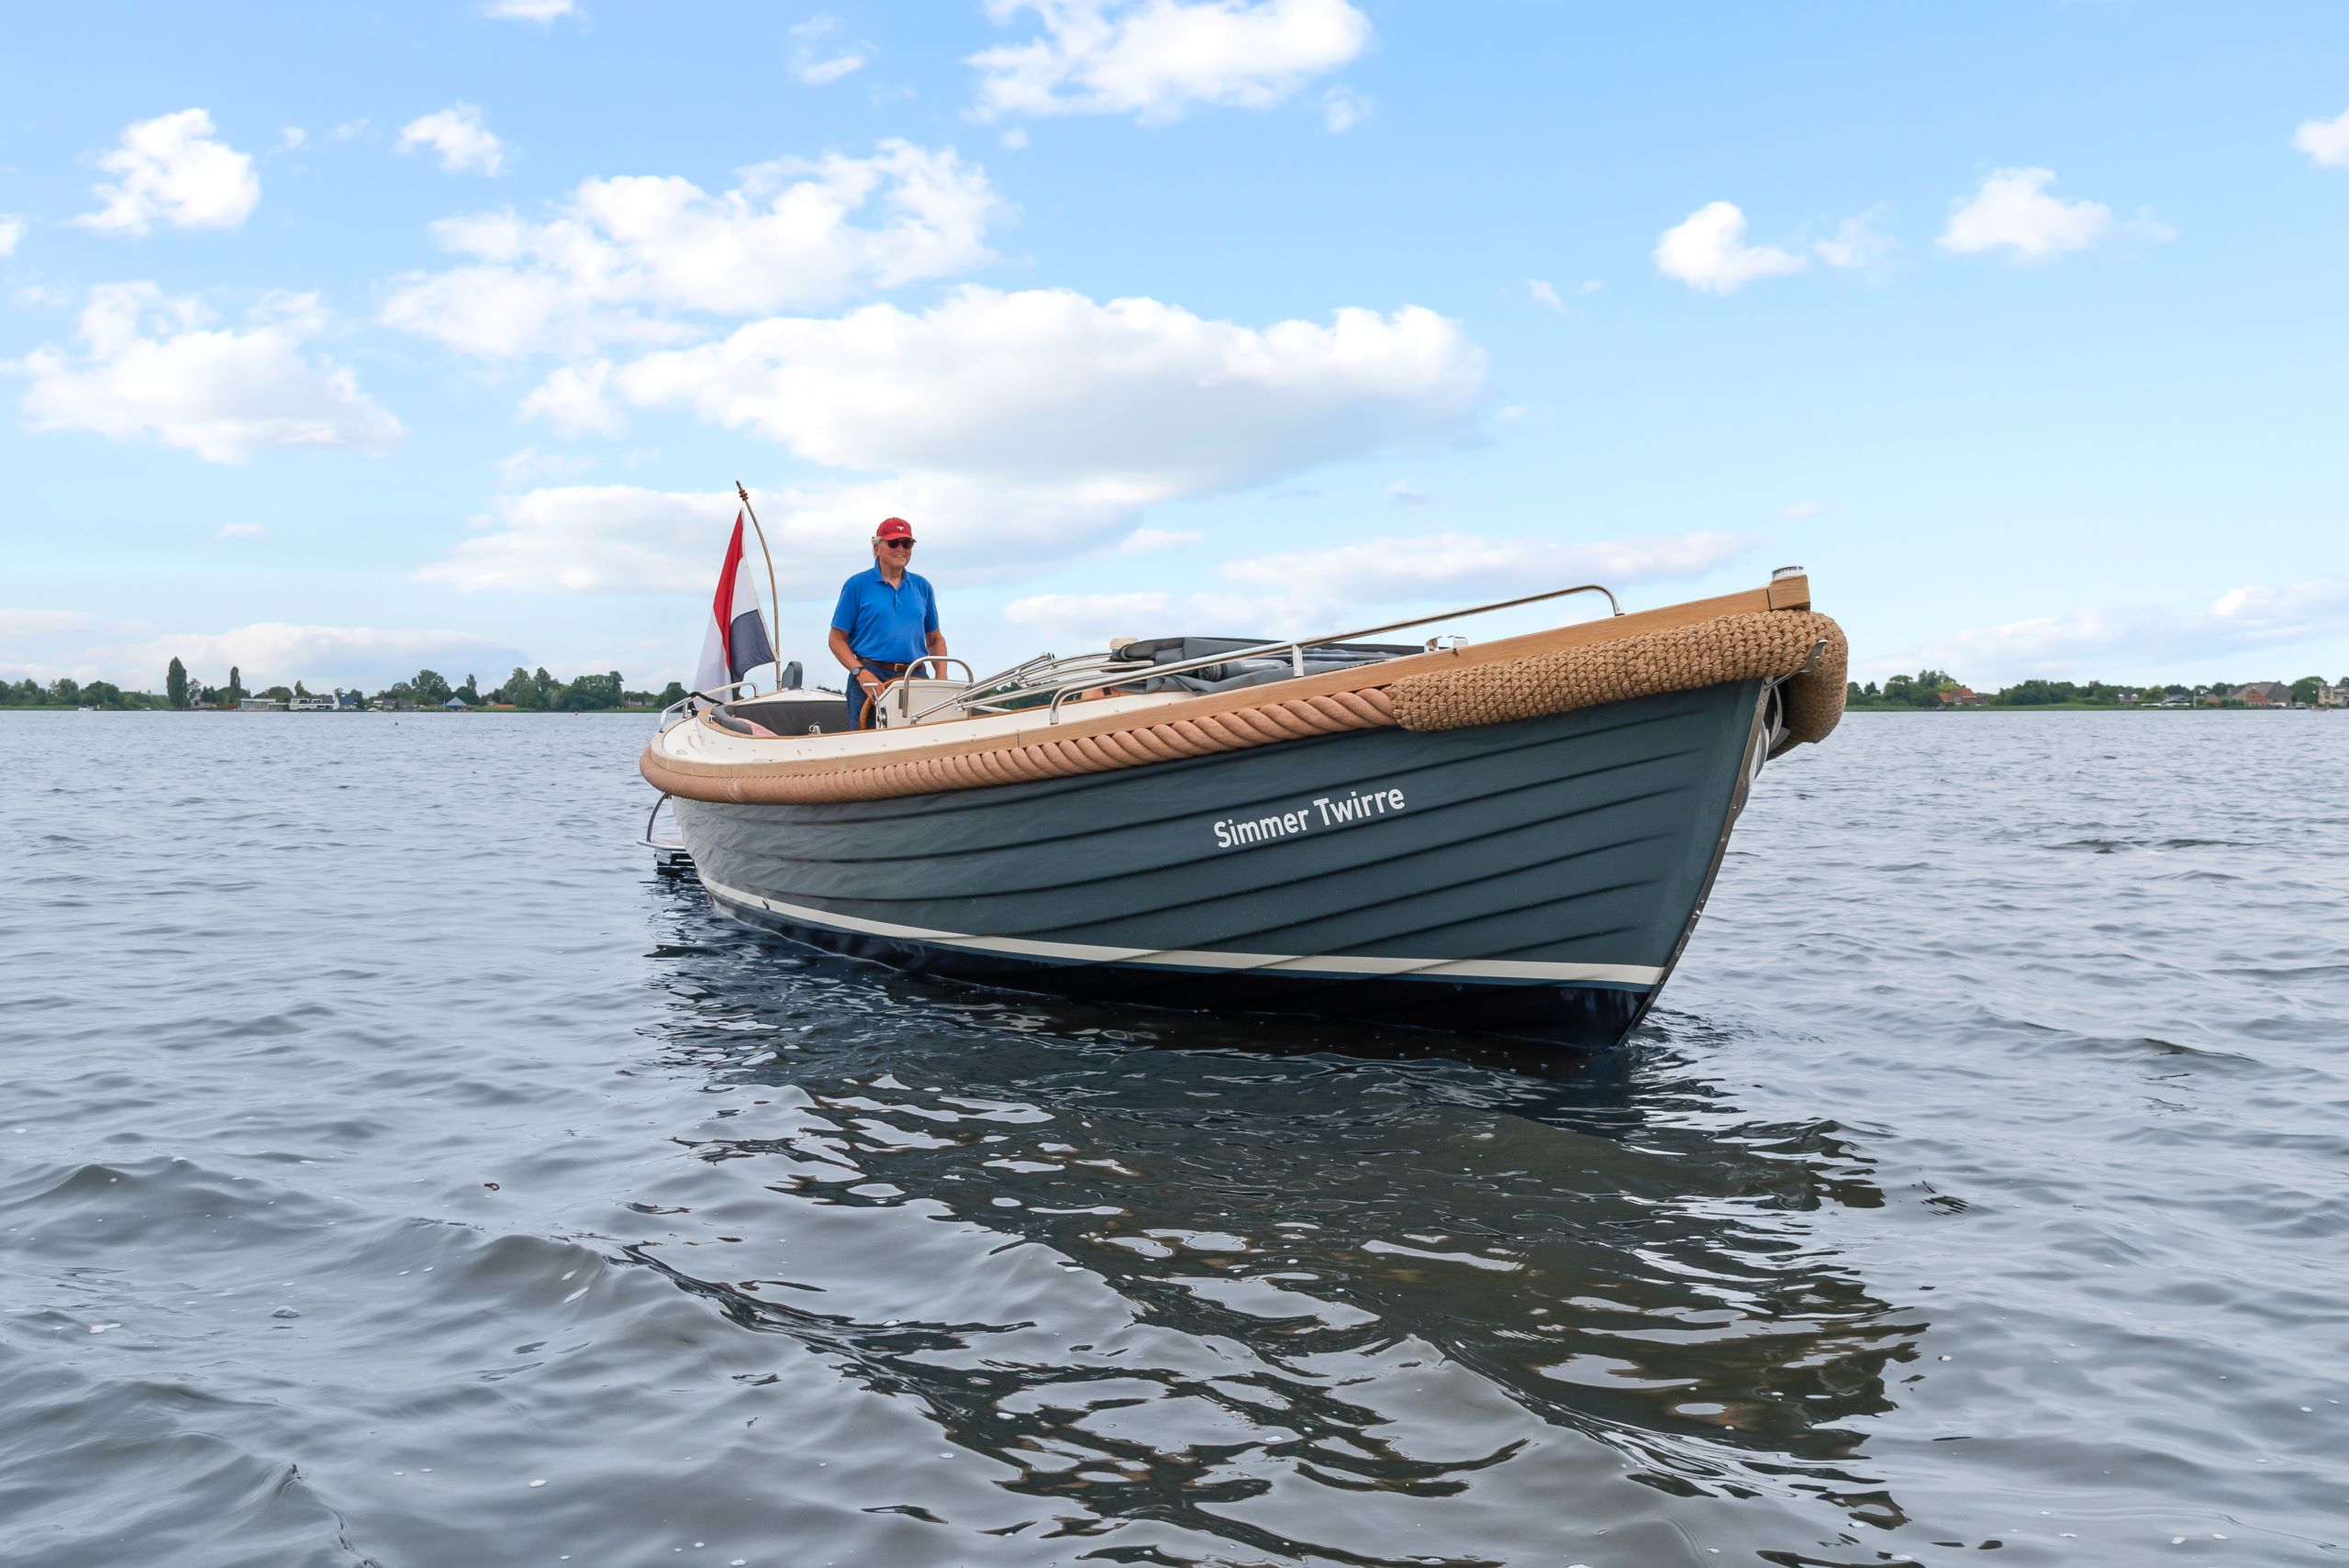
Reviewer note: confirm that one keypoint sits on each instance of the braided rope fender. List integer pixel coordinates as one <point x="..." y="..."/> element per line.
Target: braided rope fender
<point x="1765" y="645"/>
<point x="1248" y="727"/>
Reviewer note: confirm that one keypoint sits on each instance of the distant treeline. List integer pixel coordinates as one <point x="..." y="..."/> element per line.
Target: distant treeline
<point x="1938" y="688"/>
<point x="530" y="689"/>
<point x="536" y="690"/>
<point x="64" y="693"/>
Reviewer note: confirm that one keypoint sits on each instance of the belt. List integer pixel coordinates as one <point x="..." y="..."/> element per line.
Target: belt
<point x="884" y="667"/>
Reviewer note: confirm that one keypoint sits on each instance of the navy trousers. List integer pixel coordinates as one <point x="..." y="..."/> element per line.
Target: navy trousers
<point x="856" y="699"/>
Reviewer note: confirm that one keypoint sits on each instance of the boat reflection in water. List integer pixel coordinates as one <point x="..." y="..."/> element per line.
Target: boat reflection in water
<point x="1239" y="1291"/>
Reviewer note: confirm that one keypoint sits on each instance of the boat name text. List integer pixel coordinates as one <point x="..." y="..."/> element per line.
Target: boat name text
<point x="1322" y="811"/>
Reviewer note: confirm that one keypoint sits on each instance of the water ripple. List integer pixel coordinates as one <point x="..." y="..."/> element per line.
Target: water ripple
<point x="394" y="1171"/>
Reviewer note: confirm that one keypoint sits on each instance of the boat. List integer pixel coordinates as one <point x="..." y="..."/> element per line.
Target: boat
<point x="1513" y="836"/>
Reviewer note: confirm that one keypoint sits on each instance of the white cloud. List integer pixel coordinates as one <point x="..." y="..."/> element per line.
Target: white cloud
<point x="456" y="134"/>
<point x="815" y="64"/>
<point x="504" y="312"/>
<point x="1306" y="592"/>
<point x="1095" y="621"/>
<point x="1014" y="139"/>
<point x="35" y="623"/>
<point x="12" y="229"/>
<point x="42" y="674"/>
<point x="1542" y="291"/>
<point x="2262" y="613"/>
<point x="292" y="136"/>
<point x="577" y="399"/>
<point x="1133" y="397"/>
<point x="1343" y="108"/>
<point x="1857" y="245"/>
<point x="2124" y="642"/>
<point x="266" y="653"/>
<point x="1402" y="493"/>
<point x="1801" y="510"/>
<point x="1708" y="250"/>
<point x="1084" y="619"/>
<point x="1153" y="59"/>
<point x="1016" y="429"/>
<point x="271" y="654"/>
<point x="617" y="538"/>
<point x="153" y="366"/>
<point x="1393" y="570"/>
<point x="1142" y="540"/>
<point x="529" y="10"/>
<point x="608" y="539"/>
<point x="821" y="72"/>
<point x="613" y="262"/>
<point x="348" y="128"/>
<point x="170" y="170"/>
<point x="2325" y="141"/>
<point x="529" y="463"/>
<point x="239" y="530"/>
<point x="2013" y="209"/>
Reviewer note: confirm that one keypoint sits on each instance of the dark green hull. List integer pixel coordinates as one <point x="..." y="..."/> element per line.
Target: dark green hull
<point x="1535" y="879"/>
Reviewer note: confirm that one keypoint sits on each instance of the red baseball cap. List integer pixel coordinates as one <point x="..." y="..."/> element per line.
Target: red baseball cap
<point x="893" y="527"/>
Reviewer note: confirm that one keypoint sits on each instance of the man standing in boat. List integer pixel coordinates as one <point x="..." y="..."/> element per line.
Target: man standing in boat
<point x="886" y="619"/>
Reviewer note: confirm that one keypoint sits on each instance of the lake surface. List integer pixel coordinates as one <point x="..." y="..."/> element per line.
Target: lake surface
<point x="393" y="1170"/>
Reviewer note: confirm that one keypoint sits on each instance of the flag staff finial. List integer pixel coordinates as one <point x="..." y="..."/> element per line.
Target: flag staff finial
<point x="775" y="643"/>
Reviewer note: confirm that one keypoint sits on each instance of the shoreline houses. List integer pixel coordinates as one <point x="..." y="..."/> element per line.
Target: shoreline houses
<point x="307" y="702"/>
<point x="2259" y="693"/>
<point x="2264" y="693"/>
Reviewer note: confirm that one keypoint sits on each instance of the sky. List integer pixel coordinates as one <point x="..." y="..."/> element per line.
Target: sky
<point x="339" y="341"/>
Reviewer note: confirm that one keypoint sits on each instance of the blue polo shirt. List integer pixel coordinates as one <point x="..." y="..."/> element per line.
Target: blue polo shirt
<point x="887" y="625"/>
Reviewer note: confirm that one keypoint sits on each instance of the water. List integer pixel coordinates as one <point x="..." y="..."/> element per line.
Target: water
<point x="394" y="1171"/>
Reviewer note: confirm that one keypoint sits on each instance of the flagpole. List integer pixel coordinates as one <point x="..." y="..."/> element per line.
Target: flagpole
<point x="774" y="644"/>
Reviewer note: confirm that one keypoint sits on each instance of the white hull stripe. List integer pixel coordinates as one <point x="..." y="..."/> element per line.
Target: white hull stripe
<point x="1179" y="958"/>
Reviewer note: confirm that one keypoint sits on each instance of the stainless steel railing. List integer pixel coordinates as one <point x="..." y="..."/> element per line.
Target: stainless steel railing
<point x="1054" y="680"/>
<point x="1060" y="679"/>
<point x="715" y="696"/>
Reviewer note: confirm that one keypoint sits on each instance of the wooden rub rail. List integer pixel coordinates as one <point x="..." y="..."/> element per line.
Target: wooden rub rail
<point x="1746" y="639"/>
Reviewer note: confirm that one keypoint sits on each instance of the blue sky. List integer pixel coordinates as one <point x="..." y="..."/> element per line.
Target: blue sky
<point x="335" y="343"/>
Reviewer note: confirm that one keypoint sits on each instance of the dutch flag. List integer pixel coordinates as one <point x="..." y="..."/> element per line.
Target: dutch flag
<point x="736" y="642"/>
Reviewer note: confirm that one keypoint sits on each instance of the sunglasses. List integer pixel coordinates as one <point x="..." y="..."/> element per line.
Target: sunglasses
<point x="897" y="544"/>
